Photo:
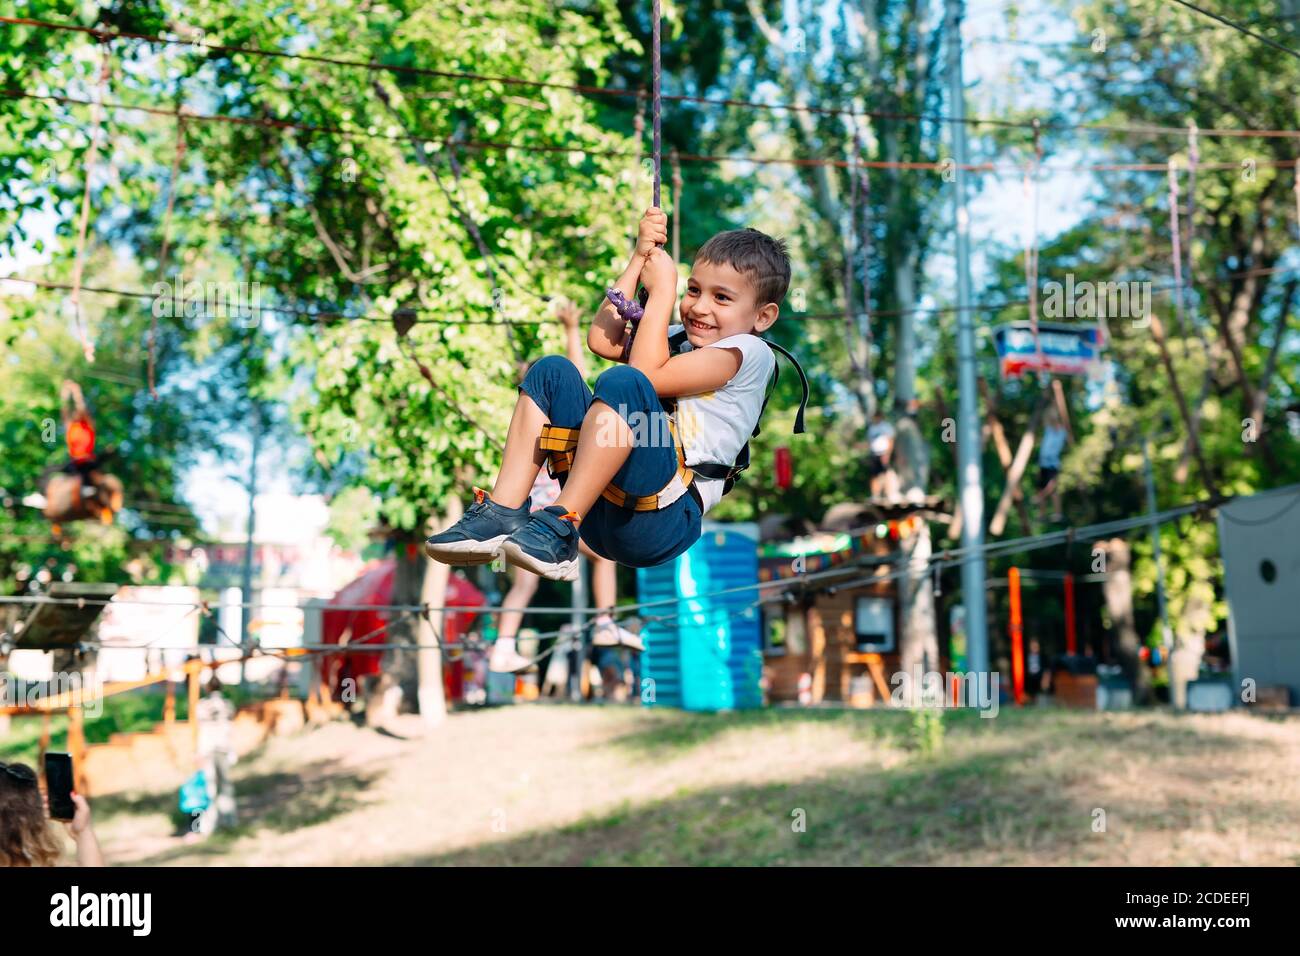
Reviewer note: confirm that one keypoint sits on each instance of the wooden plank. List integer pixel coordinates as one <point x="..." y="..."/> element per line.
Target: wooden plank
<point x="169" y="707"/>
<point x="954" y="528"/>
<point x="52" y="626"/>
<point x="71" y="699"/>
<point x="1003" y="448"/>
<point x="817" y="654"/>
<point x="77" y="749"/>
<point x="1018" y="466"/>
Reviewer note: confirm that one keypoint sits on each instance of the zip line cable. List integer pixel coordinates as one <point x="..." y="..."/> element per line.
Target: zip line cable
<point x="937" y="562"/>
<point x="627" y="92"/>
<point x="950" y="557"/>
<point x="336" y="317"/>
<point x="1239" y="28"/>
<point x="450" y="141"/>
<point x="1192" y="32"/>
<point x="449" y="609"/>
<point x="492" y="145"/>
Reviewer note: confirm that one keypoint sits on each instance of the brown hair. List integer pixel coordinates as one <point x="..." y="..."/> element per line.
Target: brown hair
<point x="765" y="260"/>
<point x="26" y="837"/>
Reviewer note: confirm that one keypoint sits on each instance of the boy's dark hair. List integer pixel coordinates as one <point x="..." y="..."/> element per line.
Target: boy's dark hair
<point x="755" y="254"/>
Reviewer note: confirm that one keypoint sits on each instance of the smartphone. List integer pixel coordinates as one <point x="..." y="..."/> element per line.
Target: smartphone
<point x="58" y="786"/>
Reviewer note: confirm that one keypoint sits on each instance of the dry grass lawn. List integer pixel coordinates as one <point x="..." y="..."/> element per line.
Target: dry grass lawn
<point x="559" y="784"/>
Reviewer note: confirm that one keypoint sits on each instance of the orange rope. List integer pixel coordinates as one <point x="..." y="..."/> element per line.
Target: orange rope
<point x="92" y="154"/>
<point x="1031" y="244"/>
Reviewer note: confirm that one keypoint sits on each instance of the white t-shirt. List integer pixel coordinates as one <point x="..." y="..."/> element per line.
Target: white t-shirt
<point x="214" y="714"/>
<point x="880" y="436"/>
<point x="1049" y="453"/>
<point x="714" y="426"/>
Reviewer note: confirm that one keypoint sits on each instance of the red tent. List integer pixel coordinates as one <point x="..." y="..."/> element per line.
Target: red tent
<point x="364" y="626"/>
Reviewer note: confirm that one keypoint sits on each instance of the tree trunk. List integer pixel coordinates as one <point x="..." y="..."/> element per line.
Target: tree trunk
<point x="1118" y="590"/>
<point x="919" y="647"/>
<point x="918" y="640"/>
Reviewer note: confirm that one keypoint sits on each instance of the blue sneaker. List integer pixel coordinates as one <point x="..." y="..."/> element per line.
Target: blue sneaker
<point x="546" y="545"/>
<point x="477" y="536"/>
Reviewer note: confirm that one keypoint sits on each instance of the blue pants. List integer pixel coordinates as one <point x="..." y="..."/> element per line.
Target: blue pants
<point x="638" y="539"/>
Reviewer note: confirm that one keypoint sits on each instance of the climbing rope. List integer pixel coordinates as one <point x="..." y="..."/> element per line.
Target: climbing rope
<point x="162" y="255"/>
<point x="92" y="154"/>
<point x="633" y="316"/>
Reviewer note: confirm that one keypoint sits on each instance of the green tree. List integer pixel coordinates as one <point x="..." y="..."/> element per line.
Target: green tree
<point x="1230" y="348"/>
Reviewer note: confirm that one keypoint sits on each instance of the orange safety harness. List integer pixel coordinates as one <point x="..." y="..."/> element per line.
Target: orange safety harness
<point x="559" y="444"/>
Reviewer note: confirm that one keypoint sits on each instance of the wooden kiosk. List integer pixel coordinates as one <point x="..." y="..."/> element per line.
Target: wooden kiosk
<point x="837" y="641"/>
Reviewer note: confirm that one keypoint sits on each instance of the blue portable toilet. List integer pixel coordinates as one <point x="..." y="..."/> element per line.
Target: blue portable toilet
<point x="708" y="655"/>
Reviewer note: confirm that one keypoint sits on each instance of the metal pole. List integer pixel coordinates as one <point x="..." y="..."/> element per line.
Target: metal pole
<point x="246" y="579"/>
<point x="1166" y="633"/>
<point x="968" y="429"/>
<point x="578" y="650"/>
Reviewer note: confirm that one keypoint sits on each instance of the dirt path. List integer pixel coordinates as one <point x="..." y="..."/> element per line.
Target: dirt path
<point x="562" y="784"/>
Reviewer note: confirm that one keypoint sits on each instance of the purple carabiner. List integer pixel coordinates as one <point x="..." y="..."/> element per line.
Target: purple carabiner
<point x="628" y="309"/>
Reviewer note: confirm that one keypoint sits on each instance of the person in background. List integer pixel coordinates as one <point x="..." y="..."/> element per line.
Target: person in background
<point x="880" y="441"/>
<point x="79" y="433"/>
<point x="216" y="756"/>
<point x="26" y="835"/>
<point x="604" y="573"/>
<point x="93" y="493"/>
<point x="1049" y="463"/>
<point x="1038" y="677"/>
<point x="620" y="666"/>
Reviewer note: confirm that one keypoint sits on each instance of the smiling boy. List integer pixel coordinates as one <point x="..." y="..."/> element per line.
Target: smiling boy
<point x="629" y="491"/>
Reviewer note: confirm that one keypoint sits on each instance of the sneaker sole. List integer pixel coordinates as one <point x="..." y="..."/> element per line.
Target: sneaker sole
<point x="516" y="667"/>
<point x="465" y="552"/>
<point x="563" y="571"/>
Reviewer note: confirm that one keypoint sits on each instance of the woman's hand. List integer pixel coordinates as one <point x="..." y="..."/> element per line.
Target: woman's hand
<point x="80" y="822"/>
<point x="652" y="232"/>
<point x="88" y="852"/>
<point x="659" y="273"/>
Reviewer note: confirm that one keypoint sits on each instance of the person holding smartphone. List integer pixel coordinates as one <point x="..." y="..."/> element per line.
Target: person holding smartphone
<point x="26" y="835"/>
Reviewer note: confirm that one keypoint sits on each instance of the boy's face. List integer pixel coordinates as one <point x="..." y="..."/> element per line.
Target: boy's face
<point x="721" y="301"/>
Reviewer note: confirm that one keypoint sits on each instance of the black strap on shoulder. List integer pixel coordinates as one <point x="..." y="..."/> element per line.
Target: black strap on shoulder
<point x="678" y="339"/>
<point x="727" y="473"/>
<point x="803" y="382"/>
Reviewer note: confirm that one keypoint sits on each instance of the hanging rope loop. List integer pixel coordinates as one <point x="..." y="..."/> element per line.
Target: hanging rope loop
<point x="1176" y="243"/>
<point x="1030" y="186"/>
<point x="92" y="155"/>
<point x="166" y="241"/>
